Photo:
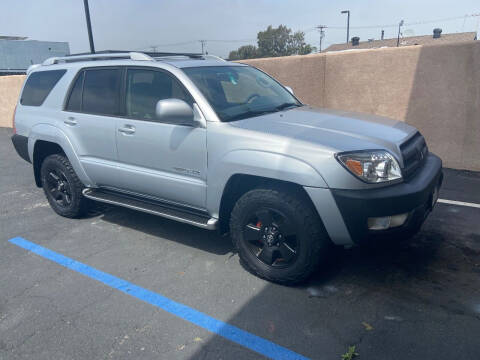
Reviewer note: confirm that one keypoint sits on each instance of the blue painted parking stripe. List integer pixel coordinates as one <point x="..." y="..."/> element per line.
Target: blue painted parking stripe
<point x="230" y="332"/>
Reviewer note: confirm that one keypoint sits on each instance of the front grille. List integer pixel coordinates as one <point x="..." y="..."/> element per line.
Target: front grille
<point x="414" y="152"/>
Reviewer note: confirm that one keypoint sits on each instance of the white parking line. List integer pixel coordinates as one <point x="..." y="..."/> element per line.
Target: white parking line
<point x="459" y="203"/>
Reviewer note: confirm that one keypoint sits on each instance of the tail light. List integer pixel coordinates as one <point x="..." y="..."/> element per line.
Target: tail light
<point x="13" y="120"/>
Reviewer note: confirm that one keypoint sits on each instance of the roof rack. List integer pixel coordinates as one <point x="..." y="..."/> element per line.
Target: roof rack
<point x="99" y="56"/>
<point x="149" y="53"/>
<point x="124" y="54"/>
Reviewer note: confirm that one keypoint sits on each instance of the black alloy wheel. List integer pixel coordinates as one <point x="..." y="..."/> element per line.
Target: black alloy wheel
<point x="59" y="187"/>
<point x="278" y="234"/>
<point x="271" y="237"/>
<point x="62" y="187"/>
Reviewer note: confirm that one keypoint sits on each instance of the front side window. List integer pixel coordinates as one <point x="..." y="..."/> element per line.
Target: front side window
<point x="38" y="86"/>
<point x="240" y="92"/>
<point x="144" y="88"/>
<point x="101" y="91"/>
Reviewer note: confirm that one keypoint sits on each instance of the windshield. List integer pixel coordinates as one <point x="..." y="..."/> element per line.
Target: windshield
<point x="240" y="92"/>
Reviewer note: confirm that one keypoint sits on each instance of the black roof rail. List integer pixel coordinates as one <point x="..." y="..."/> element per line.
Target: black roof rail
<point x="149" y="53"/>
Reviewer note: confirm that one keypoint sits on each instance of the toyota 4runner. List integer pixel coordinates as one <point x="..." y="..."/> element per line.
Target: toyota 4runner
<point x="222" y="145"/>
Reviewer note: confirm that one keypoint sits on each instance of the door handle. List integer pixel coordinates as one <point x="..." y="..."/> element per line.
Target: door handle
<point x="70" y="121"/>
<point x="127" y="130"/>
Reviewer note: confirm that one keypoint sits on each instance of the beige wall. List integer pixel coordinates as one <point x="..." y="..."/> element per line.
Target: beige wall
<point x="9" y="90"/>
<point x="435" y="88"/>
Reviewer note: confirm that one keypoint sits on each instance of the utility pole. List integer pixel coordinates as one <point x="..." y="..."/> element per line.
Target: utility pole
<point x="154" y="48"/>
<point x="204" y="43"/>
<point x="398" y="38"/>
<point x="322" y="35"/>
<point x="348" y="23"/>
<point x="89" y="26"/>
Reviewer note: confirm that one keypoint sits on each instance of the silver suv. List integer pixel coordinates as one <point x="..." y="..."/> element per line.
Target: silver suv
<point x="222" y="145"/>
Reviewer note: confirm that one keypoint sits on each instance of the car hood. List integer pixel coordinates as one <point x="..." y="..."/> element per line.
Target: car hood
<point x="334" y="129"/>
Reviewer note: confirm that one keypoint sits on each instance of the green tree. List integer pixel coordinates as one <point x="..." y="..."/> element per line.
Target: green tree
<point x="298" y="46"/>
<point x="244" y="52"/>
<point x="274" y="42"/>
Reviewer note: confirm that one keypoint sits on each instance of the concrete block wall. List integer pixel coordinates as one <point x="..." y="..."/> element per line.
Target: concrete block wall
<point x="10" y="87"/>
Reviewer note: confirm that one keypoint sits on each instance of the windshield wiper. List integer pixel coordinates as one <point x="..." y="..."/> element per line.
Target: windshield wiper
<point x="252" y="113"/>
<point x="285" y="106"/>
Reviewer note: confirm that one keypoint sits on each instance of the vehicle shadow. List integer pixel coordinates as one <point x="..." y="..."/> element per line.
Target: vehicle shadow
<point x="162" y="228"/>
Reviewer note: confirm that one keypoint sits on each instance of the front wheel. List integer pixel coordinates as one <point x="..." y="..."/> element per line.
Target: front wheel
<point x="278" y="235"/>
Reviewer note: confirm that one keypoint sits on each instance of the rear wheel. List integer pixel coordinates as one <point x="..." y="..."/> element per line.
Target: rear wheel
<point x="278" y="235"/>
<point x="62" y="187"/>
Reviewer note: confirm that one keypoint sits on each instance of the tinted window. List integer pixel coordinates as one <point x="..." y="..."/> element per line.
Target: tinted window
<point x="101" y="91"/>
<point x="38" y="86"/>
<point x="75" y="99"/>
<point x="146" y="87"/>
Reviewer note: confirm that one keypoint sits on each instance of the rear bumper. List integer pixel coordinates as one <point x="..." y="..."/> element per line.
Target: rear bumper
<point x="21" y="146"/>
<point x="414" y="197"/>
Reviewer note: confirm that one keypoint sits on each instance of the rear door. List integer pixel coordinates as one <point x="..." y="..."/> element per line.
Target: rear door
<point x="159" y="159"/>
<point x="89" y="121"/>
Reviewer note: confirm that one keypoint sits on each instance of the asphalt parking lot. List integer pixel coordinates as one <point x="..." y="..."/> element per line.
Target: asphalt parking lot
<point x="420" y="301"/>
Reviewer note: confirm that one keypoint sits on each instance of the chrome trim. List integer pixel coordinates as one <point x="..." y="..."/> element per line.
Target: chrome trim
<point x="138" y="56"/>
<point x="149" y="197"/>
<point x="210" y="225"/>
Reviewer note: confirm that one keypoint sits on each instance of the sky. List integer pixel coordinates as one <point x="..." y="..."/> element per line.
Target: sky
<point x="178" y="25"/>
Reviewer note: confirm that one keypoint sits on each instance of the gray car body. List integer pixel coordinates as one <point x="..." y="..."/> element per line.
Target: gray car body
<point x="191" y="166"/>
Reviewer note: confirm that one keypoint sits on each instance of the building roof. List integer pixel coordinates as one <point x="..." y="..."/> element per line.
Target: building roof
<point x="12" y="37"/>
<point x="17" y="56"/>
<point x="406" y="41"/>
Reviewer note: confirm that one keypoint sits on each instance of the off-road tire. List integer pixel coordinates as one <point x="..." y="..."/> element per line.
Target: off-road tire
<point x="313" y="239"/>
<point x="79" y="204"/>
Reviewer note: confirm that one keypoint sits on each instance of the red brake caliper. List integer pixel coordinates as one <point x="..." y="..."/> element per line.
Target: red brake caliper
<point x="259" y="225"/>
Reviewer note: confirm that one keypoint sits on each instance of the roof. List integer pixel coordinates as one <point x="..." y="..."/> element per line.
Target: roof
<point x="406" y="41"/>
<point x="186" y="63"/>
<point x="12" y="37"/>
<point x="125" y="57"/>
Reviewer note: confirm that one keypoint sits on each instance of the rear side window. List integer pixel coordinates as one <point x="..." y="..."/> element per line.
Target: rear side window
<point x="38" y="86"/>
<point x="101" y="91"/>
<point x="75" y="100"/>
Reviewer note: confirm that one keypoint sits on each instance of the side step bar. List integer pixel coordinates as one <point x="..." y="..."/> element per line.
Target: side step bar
<point x="151" y="207"/>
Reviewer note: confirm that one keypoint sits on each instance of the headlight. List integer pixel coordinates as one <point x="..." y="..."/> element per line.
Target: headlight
<point x="373" y="166"/>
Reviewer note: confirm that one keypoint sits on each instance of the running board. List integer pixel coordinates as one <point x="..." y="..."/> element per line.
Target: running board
<point x="151" y="207"/>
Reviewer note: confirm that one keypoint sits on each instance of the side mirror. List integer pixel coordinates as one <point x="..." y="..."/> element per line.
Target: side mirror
<point x="290" y="90"/>
<point x="175" y="111"/>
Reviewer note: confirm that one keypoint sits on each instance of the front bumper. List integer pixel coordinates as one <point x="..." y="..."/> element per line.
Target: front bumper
<point x="414" y="197"/>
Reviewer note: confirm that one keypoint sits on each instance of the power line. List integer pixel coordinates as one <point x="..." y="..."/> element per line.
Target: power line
<point x="314" y="28"/>
<point x="204" y="43"/>
<point x="322" y="35"/>
<point x="406" y="24"/>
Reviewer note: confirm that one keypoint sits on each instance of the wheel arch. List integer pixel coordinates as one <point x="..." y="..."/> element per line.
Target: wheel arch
<point x="45" y="140"/>
<point x="41" y="150"/>
<point x="239" y="184"/>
